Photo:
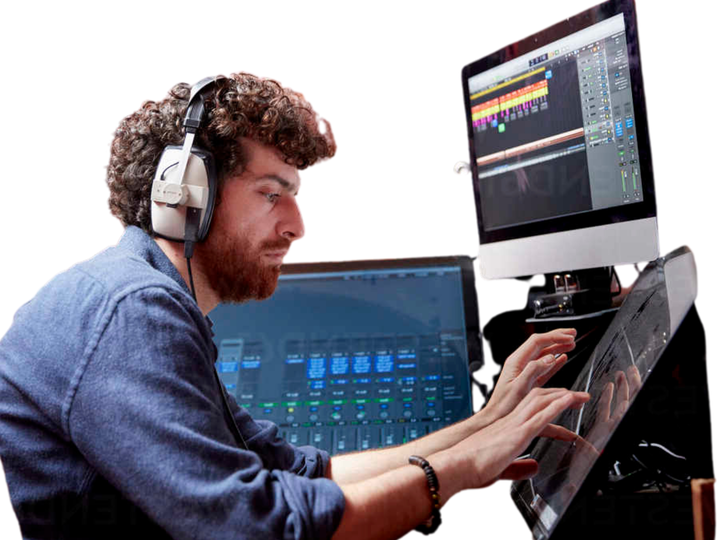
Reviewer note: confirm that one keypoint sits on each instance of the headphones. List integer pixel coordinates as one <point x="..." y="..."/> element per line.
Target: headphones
<point x="183" y="199"/>
<point x="185" y="184"/>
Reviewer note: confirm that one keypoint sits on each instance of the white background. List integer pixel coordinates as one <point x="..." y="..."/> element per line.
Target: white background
<point x="387" y="76"/>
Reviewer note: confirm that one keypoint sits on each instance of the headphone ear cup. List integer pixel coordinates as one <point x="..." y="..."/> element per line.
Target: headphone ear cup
<point x="201" y="183"/>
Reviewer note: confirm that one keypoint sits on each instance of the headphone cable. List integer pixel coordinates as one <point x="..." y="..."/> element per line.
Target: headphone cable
<point x="190" y="279"/>
<point x="227" y="411"/>
<point x="192" y="224"/>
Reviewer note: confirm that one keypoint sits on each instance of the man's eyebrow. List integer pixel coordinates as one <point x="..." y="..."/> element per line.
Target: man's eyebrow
<point x="286" y="184"/>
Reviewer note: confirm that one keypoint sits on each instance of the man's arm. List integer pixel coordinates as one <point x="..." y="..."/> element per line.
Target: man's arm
<point x="396" y="501"/>
<point x="147" y="416"/>
<point x="538" y="359"/>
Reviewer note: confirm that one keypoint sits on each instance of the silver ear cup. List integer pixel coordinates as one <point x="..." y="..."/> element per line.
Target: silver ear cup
<point x="170" y="199"/>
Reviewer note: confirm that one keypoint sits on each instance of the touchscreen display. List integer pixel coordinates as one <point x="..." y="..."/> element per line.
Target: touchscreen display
<point x="613" y="375"/>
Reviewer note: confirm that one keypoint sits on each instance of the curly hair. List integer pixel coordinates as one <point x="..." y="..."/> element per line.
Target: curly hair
<point x="241" y="105"/>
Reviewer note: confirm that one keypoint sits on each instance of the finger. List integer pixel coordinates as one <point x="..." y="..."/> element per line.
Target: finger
<point x="605" y="401"/>
<point x="558" y="400"/>
<point x="537" y="342"/>
<point x="545" y="415"/>
<point x="621" y="410"/>
<point x="584" y="445"/>
<point x="560" y="361"/>
<point x="623" y="393"/>
<point x="635" y="380"/>
<point x="622" y="397"/>
<point x="522" y="469"/>
<point x="559" y="433"/>
<point x="558" y="348"/>
<point x="536" y="400"/>
<point x="570" y="331"/>
<point x="536" y="369"/>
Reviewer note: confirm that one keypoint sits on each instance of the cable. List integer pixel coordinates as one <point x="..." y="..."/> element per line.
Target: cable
<point x="617" y="279"/>
<point x="190" y="279"/>
<point x="192" y="225"/>
<point x="229" y="418"/>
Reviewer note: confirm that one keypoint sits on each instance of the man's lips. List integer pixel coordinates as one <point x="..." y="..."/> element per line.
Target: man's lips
<point x="277" y="256"/>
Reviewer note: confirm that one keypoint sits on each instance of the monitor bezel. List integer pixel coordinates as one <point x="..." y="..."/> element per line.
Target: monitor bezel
<point x="624" y="213"/>
<point x="467" y="276"/>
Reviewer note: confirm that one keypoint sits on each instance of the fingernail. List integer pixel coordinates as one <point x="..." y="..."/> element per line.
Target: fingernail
<point x="550" y="359"/>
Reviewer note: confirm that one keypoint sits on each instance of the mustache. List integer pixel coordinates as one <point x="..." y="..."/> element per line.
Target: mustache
<point x="278" y="245"/>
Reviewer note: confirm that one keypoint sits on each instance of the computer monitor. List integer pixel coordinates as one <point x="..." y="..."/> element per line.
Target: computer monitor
<point x="645" y="431"/>
<point x="559" y="148"/>
<point x="355" y="355"/>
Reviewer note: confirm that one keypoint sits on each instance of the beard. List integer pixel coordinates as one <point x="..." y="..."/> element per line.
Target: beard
<point x="235" y="270"/>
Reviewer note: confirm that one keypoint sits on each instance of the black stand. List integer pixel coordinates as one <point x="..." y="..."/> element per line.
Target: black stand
<point x="671" y="415"/>
<point x="666" y="435"/>
<point x="575" y="293"/>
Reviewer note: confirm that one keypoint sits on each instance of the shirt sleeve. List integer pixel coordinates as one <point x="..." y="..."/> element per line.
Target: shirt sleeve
<point x="147" y="415"/>
<point x="275" y="451"/>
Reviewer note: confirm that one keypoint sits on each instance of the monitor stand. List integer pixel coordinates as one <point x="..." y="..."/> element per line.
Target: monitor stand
<point x="576" y="293"/>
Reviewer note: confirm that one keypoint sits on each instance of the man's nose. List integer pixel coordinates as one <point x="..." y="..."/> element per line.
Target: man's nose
<point x="291" y="226"/>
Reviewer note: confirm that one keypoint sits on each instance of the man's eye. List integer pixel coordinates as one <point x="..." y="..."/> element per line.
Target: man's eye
<point x="272" y="197"/>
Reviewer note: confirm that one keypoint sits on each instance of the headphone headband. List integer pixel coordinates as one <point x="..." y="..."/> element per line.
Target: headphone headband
<point x="196" y="105"/>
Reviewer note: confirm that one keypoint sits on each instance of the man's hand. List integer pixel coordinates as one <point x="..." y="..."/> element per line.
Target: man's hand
<point x="611" y="411"/>
<point x="530" y="366"/>
<point x="491" y="452"/>
<point x="389" y="505"/>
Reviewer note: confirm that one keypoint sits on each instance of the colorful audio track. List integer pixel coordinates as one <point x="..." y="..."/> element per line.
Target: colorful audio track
<point x="518" y="102"/>
<point x="530" y="147"/>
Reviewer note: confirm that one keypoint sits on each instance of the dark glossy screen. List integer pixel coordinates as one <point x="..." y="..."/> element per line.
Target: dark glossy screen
<point x="351" y="359"/>
<point x="558" y="131"/>
<point x="613" y="375"/>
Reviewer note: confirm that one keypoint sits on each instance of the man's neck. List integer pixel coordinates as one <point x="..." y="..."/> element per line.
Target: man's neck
<point x="207" y="299"/>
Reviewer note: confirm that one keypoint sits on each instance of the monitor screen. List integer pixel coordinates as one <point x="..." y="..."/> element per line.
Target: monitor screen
<point x="355" y="355"/>
<point x="558" y="138"/>
<point x="614" y="375"/>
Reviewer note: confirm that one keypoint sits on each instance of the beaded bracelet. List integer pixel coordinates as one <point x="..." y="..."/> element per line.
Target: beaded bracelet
<point x="433" y="522"/>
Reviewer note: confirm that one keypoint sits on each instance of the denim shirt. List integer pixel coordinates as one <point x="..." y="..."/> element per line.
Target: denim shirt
<point x="112" y="423"/>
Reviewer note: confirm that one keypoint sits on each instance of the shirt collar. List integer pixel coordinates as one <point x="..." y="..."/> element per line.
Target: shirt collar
<point x="140" y="244"/>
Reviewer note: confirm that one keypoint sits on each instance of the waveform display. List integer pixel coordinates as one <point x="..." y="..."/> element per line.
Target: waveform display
<point x="530" y="147"/>
<point x="517" y="100"/>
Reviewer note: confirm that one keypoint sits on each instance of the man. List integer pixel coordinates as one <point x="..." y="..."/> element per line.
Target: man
<point x="111" y="420"/>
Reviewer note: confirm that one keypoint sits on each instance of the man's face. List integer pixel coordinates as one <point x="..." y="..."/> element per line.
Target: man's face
<point x="253" y="226"/>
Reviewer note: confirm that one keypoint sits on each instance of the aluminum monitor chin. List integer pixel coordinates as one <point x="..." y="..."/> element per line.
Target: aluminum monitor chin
<point x="560" y="150"/>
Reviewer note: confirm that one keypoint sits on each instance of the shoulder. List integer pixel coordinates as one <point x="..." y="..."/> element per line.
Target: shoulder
<point x="75" y="301"/>
<point x="118" y="272"/>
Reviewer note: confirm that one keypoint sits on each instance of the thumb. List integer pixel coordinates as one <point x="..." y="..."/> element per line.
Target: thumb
<point x="522" y="469"/>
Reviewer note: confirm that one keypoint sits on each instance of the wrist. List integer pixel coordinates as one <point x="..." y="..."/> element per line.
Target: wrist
<point x="433" y="522"/>
<point x="450" y="469"/>
<point x="483" y="418"/>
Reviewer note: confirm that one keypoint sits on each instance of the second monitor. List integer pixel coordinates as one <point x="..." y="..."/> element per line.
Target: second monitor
<point x="355" y="355"/>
